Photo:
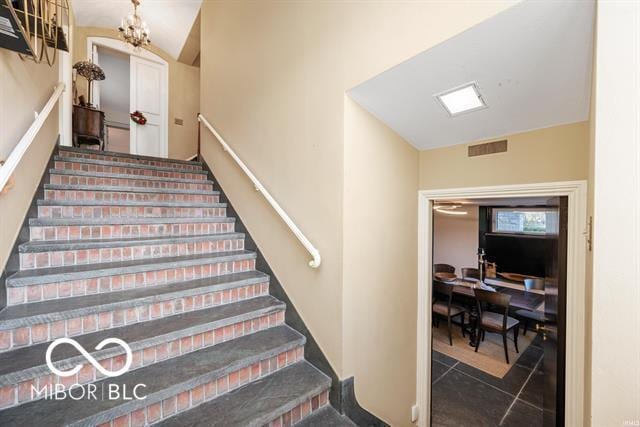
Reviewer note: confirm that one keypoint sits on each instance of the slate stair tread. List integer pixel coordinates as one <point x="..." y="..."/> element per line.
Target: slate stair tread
<point x="67" y="308"/>
<point x="76" y="272"/>
<point x="132" y="165"/>
<point x="256" y="403"/>
<point x="72" y="245"/>
<point x="186" y="372"/>
<point x="52" y="222"/>
<point x="128" y="155"/>
<point x="13" y="364"/>
<point x="326" y="417"/>
<point x="72" y="172"/>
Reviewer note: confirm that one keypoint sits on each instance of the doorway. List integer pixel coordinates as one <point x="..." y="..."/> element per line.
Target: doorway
<point x="568" y="201"/>
<point x="114" y="99"/>
<point x="136" y="81"/>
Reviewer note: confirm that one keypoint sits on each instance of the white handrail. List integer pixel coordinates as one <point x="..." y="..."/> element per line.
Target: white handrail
<point x="315" y="262"/>
<point x="18" y="152"/>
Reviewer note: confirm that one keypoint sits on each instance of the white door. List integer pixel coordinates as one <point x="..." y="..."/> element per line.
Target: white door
<point x="148" y="86"/>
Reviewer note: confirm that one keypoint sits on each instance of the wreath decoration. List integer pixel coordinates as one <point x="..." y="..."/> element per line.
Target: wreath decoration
<point x="138" y="117"/>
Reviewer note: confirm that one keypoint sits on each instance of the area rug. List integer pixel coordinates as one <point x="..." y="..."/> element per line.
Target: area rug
<point x="490" y="355"/>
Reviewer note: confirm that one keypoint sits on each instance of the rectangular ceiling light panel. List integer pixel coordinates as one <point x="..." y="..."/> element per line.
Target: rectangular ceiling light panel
<point x="461" y="99"/>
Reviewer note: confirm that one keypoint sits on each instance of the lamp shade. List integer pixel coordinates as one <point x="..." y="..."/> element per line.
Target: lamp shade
<point x="89" y="70"/>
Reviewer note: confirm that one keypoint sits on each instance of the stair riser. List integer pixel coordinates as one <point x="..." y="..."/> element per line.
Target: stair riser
<point x="90" y="212"/>
<point x="301" y="411"/>
<point x="77" y="232"/>
<point x="189" y="399"/>
<point x="48" y="331"/>
<point x="88" y="167"/>
<point x="117" y="196"/>
<point x="125" y="160"/>
<point x="128" y="182"/>
<point x="30" y="261"/>
<point x="57" y="290"/>
<point x="20" y="393"/>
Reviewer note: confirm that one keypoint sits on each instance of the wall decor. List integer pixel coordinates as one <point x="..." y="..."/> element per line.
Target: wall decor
<point x="34" y="28"/>
<point x="138" y="117"/>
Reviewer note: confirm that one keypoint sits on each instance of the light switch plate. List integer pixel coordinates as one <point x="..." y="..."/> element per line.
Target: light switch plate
<point x="414" y="413"/>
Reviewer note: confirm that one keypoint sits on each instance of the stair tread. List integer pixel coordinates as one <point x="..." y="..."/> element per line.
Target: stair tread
<point x="258" y="402"/>
<point x="72" y="245"/>
<point x="72" y="172"/>
<point x="128" y="155"/>
<point x="127" y="189"/>
<point x="44" y="222"/>
<point x="76" y="272"/>
<point x="27" y="362"/>
<point x="67" y="308"/>
<point x="326" y="417"/>
<point x="152" y="203"/>
<point x="120" y="164"/>
<point x="187" y="371"/>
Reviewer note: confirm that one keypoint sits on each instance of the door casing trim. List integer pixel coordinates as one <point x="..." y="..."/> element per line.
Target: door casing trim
<point x="576" y="192"/>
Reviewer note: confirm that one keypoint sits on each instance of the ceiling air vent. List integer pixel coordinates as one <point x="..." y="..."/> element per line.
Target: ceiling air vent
<point x="488" y="148"/>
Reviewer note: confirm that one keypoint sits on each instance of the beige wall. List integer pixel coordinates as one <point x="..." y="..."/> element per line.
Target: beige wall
<point x="184" y="91"/>
<point x="615" y="359"/>
<point x="559" y="153"/>
<point x="379" y="265"/>
<point x="273" y="80"/>
<point x="24" y="88"/>
<point x="455" y="239"/>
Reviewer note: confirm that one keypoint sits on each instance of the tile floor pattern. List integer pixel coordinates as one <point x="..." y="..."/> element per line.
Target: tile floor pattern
<point x="465" y="396"/>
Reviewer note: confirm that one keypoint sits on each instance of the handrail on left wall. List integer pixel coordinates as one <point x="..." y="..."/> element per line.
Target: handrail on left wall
<point x="25" y="142"/>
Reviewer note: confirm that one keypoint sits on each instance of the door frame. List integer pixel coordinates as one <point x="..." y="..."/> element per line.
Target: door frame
<point x="576" y="192"/>
<point x="144" y="54"/>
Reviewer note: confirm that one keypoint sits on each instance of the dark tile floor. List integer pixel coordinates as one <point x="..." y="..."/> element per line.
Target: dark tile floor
<point x="462" y="395"/>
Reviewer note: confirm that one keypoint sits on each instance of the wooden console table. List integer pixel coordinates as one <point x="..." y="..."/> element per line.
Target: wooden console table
<point x="88" y="126"/>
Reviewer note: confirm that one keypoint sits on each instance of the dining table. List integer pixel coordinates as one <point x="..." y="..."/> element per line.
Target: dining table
<point x="520" y="299"/>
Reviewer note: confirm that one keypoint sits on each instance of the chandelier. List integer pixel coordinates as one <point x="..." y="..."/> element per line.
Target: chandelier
<point x="133" y="29"/>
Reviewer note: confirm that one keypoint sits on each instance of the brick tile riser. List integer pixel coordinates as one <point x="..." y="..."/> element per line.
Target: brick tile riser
<point x="116" y="283"/>
<point x="89" y="212"/>
<point x="301" y="411"/>
<point x="64" y="165"/>
<point x="125" y="160"/>
<point x="30" y="261"/>
<point x="85" y="232"/>
<point x="126" y="182"/>
<point x="20" y="393"/>
<point x="117" y="196"/>
<point x="44" y="332"/>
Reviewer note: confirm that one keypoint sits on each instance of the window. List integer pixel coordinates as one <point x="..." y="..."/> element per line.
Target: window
<point x="540" y="221"/>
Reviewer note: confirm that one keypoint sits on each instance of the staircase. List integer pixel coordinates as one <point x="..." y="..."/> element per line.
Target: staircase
<point x="140" y="249"/>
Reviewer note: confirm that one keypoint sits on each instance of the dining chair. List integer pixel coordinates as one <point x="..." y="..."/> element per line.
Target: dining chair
<point x="443" y="268"/>
<point x="497" y="322"/>
<point x="443" y="306"/>
<point x="471" y="273"/>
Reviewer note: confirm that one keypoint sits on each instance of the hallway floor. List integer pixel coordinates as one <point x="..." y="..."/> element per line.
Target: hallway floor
<point x="463" y="395"/>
